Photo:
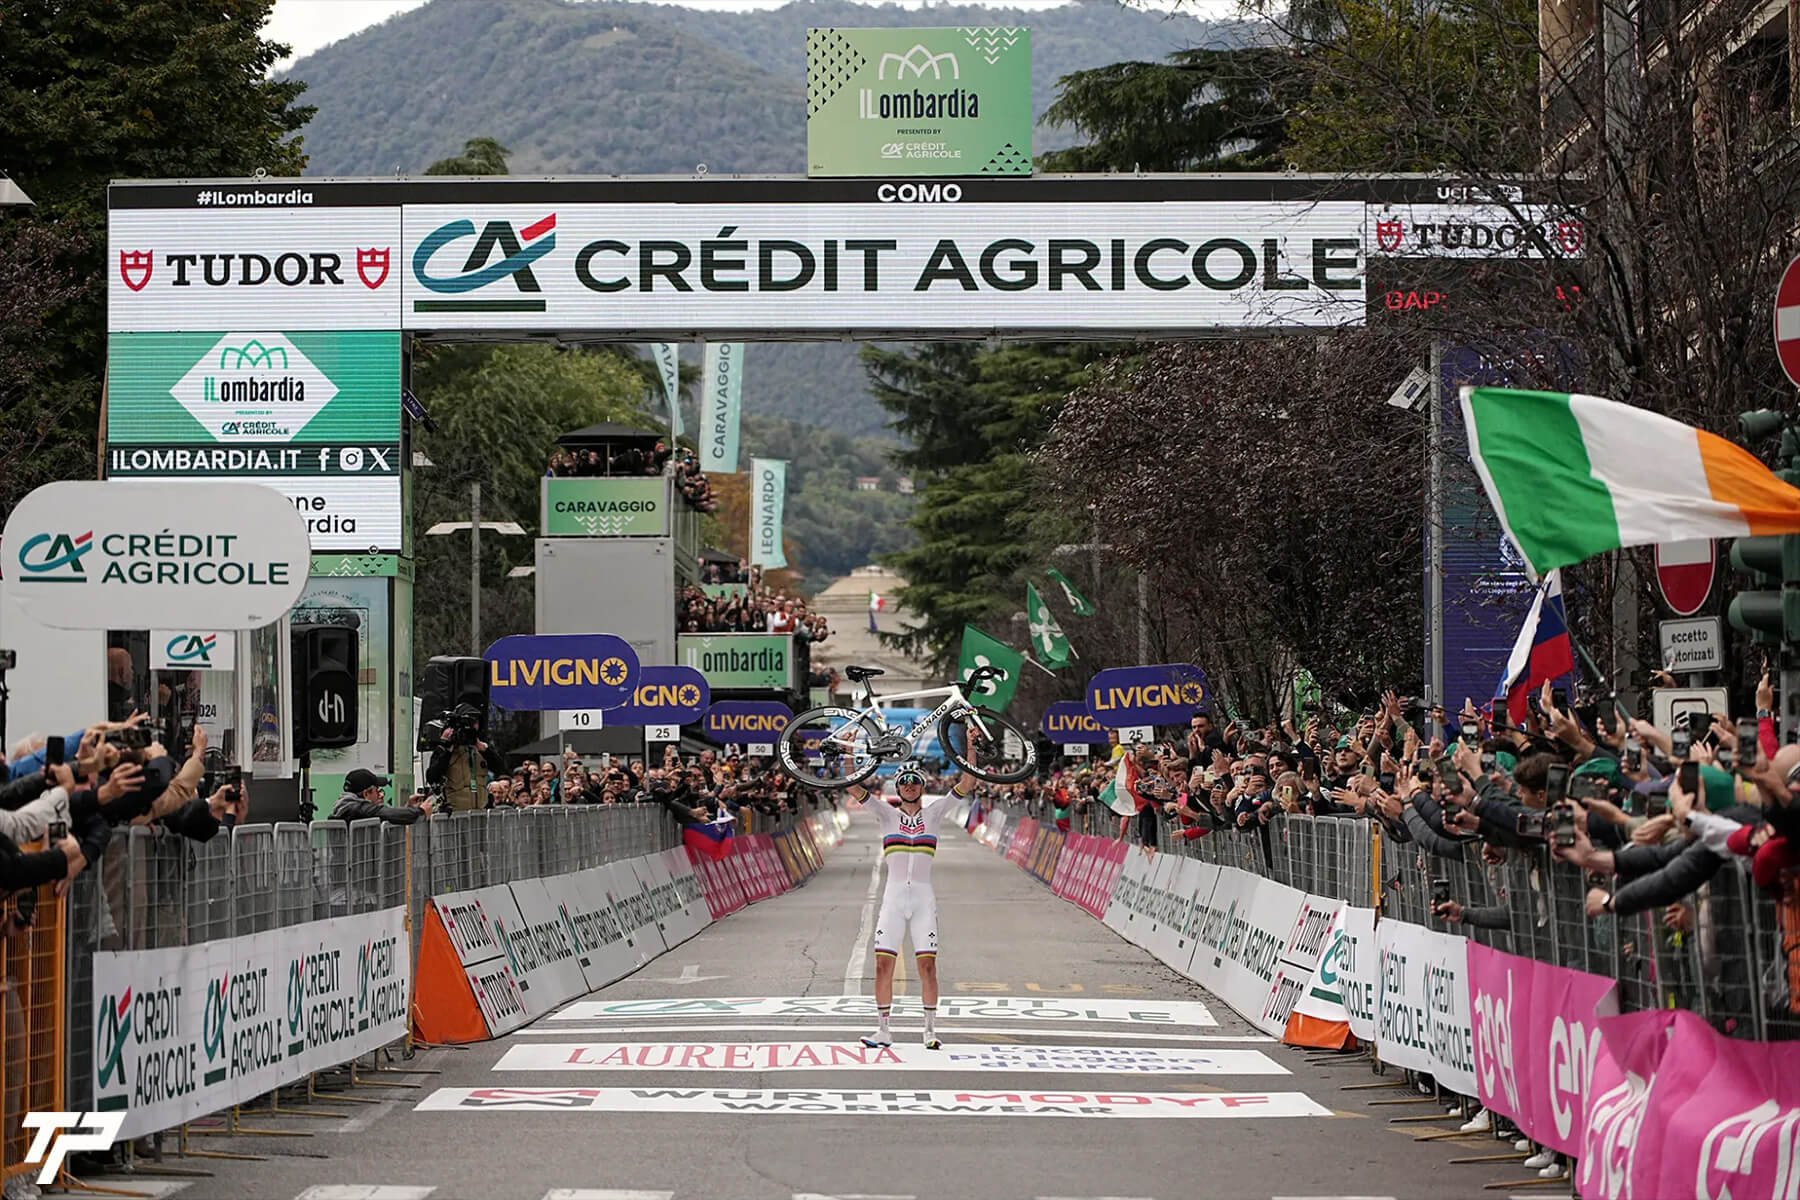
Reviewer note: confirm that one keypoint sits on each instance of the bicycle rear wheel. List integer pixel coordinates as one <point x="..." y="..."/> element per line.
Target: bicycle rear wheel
<point x="976" y="741"/>
<point x="828" y="748"/>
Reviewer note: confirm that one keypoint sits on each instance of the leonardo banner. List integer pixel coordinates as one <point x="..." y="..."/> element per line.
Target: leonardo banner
<point x="632" y="506"/>
<point x="953" y="101"/>
<point x="768" y="481"/>
<point x="194" y="1029"/>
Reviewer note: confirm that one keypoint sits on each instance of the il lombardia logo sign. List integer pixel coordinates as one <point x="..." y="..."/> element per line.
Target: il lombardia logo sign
<point x="254" y="387"/>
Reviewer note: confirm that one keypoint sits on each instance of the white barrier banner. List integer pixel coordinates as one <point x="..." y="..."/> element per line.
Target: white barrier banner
<point x="190" y="1030"/>
<point x="1422" y="1018"/>
<point x="838" y="1102"/>
<point x="852" y="1056"/>
<point x="1126" y="912"/>
<point x="1343" y="988"/>
<point x="1243" y="930"/>
<point x="474" y="919"/>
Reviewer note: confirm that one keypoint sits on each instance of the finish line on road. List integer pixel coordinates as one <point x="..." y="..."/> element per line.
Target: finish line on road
<point x="1218" y="1105"/>
<point x="1024" y="1009"/>
<point x="839" y="1056"/>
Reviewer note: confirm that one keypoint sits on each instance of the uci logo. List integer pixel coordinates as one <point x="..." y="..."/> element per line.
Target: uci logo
<point x="519" y="250"/>
<point x="56" y="557"/>
<point x="191" y="647"/>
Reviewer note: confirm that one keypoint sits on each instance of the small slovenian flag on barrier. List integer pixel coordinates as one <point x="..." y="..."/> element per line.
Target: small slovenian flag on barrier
<point x="1543" y="650"/>
<point x="712" y="840"/>
<point x="975" y="815"/>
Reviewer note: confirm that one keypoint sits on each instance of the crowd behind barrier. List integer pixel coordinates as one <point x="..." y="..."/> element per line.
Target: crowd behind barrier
<point x="154" y="890"/>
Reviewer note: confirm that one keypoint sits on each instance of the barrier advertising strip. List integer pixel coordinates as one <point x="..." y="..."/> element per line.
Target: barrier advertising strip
<point x="1536" y="1035"/>
<point x="1023" y="834"/>
<point x="1338" y="1004"/>
<point x="1422" y="1018"/>
<point x="493" y="959"/>
<point x="275" y="1007"/>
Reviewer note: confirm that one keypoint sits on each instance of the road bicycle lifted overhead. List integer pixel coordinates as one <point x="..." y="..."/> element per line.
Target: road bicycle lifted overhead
<point x="839" y="747"/>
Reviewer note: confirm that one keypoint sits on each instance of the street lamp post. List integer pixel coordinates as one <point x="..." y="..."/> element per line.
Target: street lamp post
<point x="475" y="525"/>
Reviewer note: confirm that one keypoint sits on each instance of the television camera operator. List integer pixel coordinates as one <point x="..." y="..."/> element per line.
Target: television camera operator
<point x="461" y="762"/>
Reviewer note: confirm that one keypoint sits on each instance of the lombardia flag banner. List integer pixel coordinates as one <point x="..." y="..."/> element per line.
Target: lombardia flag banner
<point x="918" y="102"/>
<point x="1572" y="476"/>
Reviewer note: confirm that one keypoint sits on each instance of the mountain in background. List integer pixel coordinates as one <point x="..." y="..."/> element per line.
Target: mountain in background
<point x="607" y="88"/>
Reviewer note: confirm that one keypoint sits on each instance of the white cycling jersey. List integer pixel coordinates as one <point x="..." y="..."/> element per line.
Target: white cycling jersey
<point x="909" y="842"/>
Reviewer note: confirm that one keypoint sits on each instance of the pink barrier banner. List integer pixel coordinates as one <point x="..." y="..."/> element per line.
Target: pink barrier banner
<point x="1631" y="1048"/>
<point x="1020" y="846"/>
<point x="769" y="860"/>
<point x="1070" y="863"/>
<point x="723" y="896"/>
<point x="1109" y="864"/>
<point x="1537" y="1035"/>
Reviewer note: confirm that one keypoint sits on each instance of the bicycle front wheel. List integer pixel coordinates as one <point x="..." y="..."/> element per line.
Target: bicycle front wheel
<point x="828" y="748"/>
<point x="976" y="740"/>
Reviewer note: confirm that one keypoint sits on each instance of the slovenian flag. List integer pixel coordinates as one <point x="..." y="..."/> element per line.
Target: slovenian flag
<point x="1542" y="651"/>
<point x="974" y="818"/>
<point x="713" y="840"/>
<point x="1572" y="476"/>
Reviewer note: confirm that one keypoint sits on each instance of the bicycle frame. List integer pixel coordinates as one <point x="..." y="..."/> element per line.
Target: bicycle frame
<point x="953" y="698"/>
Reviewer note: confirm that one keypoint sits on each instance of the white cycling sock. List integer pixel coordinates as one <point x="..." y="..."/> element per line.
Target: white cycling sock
<point x="930" y="1019"/>
<point x="882" y="1014"/>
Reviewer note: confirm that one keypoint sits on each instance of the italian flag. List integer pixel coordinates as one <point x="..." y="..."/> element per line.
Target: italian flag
<point x="1118" y="794"/>
<point x="876" y="602"/>
<point x="1572" y="476"/>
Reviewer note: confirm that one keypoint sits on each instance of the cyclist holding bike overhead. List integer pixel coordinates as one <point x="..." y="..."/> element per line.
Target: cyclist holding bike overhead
<point x="909" y="837"/>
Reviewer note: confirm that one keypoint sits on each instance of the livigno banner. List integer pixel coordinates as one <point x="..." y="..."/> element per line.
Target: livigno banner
<point x="256" y="390"/>
<point x="739" y="661"/>
<point x="195" y="1029"/>
<point x="953" y="101"/>
<point x="629" y="507"/>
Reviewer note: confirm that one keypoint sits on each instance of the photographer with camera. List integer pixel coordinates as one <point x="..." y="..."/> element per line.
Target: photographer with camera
<point x="461" y="762"/>
<point x="364" y="793"/>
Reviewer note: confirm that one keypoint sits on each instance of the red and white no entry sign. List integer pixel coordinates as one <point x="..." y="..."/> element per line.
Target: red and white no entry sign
<point x="1684" y="572"/>
<point x="1787" y="321"/>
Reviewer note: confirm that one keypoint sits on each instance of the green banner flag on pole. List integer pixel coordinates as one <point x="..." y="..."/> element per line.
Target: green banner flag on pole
<point x="768" y="482"/>
<point x="719" y="411"/>
<point x="980" y="650"/>
<point x="1047" y="637"/>
<point x="668" y="357"/>
<point x="1080" y="603"/>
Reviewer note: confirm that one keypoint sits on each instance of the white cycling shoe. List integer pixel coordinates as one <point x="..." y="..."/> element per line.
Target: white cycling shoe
<point x="878" y="1040"/>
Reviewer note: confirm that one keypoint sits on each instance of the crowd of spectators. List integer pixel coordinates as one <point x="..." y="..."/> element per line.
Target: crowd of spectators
<point x="754" y="609"/>
<point x="681" y="463"/>
<point x="705" y="787"/>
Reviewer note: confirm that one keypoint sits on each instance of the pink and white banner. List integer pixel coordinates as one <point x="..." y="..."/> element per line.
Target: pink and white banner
<point x="1682" y="1110"/>
<point x="1537" y="1035"/>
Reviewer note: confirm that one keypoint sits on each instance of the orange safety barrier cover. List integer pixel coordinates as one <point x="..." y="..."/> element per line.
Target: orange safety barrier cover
<point x="452" y="1014"/>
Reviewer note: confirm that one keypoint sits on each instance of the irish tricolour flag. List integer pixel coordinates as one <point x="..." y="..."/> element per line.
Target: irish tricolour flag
<point x="1571" y="476"/>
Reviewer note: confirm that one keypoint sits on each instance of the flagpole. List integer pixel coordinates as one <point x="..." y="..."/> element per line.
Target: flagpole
<point x="1040" y="666"/>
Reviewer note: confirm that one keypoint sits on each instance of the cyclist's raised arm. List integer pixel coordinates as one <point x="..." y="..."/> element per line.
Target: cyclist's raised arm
<point x="962" y="789"/>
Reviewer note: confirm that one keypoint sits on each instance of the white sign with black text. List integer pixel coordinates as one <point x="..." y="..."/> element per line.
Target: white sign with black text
<point x="1694" y="644"/>
<point x="801" y="1055"/>
<point x="574" y="719"/>
<point x="662" y="733"/>
<point x="838" y="1102"/>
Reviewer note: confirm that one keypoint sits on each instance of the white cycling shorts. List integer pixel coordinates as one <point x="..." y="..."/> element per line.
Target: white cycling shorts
<point x="910" y="908"/>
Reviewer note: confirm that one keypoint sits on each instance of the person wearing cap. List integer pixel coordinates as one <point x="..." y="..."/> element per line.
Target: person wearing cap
<point x="909" y="838"/>
<point x="362" y="799"/>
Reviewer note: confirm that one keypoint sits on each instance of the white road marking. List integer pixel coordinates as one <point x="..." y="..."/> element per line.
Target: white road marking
<point x="606" y="1194"/>
<point x="944" y="1025"/>
<point x="366" y="1117"/>
<point x="784" y="1057"/>
<point x="873" y="1102"/>
<point x="853" y="972"/>
<point x="689" y="974"/>
<point x="850" y="1196"/>
<point x="1344" y="1198"/>
<point x="365" y="1191"/>
<point x="1026" y="1010"/>
<point x="1093" y="1198"/>
<point x="155" y="1188"/>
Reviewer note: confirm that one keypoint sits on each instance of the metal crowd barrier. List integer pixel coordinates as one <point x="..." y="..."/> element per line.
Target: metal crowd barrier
<point x="1733" y="958"/>
<point x="155" y="889"/>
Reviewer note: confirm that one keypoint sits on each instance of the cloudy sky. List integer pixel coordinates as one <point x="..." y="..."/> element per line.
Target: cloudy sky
<point x="309" y="25"/>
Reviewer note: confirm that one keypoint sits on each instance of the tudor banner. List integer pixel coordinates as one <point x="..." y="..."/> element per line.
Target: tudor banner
<point x="768" y="496"/>
<point x="720" y="406"/>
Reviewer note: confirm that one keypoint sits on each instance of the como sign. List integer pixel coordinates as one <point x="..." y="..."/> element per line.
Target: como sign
<point x="81" y="555"/>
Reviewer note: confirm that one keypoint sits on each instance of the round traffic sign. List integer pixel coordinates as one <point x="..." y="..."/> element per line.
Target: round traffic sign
<point x="1787" y="321"/>
<point x="1684" y="573"/>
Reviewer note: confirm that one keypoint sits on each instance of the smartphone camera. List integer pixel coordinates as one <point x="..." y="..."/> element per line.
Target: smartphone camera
<point x="1562" y="825"/>
<point x="53" y="750"/>
<point x="1534" y="824"/>
<point x="1681" y="743"/>
<point x="1634" y="754"/>
<point x="1471" y="732"/>
<point x="1556" y="781"/>
<point x="1440" y="892"/>
<point x="1749" y="735"/>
